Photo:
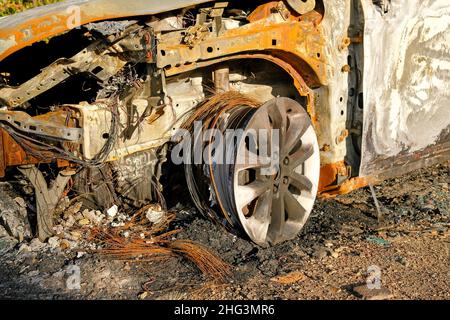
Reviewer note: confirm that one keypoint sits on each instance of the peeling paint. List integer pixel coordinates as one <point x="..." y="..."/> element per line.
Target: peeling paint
<point x="7" y="43"/>
<point x="406" y="80"/>
<point x="329" y="105"/>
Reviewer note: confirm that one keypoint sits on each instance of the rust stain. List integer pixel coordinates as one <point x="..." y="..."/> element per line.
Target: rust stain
<point x="358" y="39"/>
<point x="263" y="11"/>
<point x="329" y="173"/>
<point x="344" y="134"/>
<point x="299" y="43"/>
<point x="348" y="186"/>
<point x="33" y="31"/>
<point x="346" y="41"/>
<point x="13" y="154"/>
<point x="26" y="29"/>
<point x="325" y="148"/>
<point x="346" y="68"/>
<point x="293" y="70"/>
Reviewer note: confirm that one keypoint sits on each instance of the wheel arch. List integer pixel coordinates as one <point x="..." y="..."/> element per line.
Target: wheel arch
<point x="297" y="69"/>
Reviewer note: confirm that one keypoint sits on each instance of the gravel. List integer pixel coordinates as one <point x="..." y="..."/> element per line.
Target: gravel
<point x="332" y="258"/>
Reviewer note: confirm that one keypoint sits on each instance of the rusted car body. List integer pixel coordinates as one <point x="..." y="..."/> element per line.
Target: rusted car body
<point x="373" y="76"/>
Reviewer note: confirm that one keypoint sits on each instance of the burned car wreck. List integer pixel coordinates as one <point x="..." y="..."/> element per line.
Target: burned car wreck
<point x="93" y="95"/>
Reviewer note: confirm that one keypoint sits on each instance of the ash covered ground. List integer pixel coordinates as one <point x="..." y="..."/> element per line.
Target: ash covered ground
<point x="342" y="245"/>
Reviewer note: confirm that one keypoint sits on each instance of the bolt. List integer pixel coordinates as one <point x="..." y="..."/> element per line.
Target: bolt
<point x="346" y="68"/>
<point x="286" y="161"/>
<point x="285" y="180"/>
<point x="346" y="41"/>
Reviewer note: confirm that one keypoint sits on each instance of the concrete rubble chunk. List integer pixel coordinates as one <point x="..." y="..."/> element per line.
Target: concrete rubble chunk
<point x="6" y="241"/>
<point x="73" y="209"/>
<point x="36" y="245"/>
<point x="112" y="212"/>
<point x="21" y="202"/>
<point x="54" y="242"/>
<point x="84" y="222"/>
<point x="93" y="216"/>
<point x="70" y="221"/>
<point x="155" y="214"/>
<point x="14" y="218"/>
<point x="24" y="248"/>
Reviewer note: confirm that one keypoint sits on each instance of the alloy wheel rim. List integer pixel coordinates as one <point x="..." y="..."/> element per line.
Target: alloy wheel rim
<point x="274" y="201"/>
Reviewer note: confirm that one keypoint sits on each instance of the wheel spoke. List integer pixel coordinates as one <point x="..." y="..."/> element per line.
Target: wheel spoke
<point x="278" y="218"/>
<point x="301" y="182"/>
<point x="260" y="121"/>
<point x="277" y="113"/>
<point x="263" y="207"/>
<point x="295" y="210"/>
<point x="260" y="220"/>
<point x="298" y="124"/>
<point x="251" y="160"/>
<point x="301" y="155"/>
<point x="261" y="133"/>
<point x="244" y="195"/>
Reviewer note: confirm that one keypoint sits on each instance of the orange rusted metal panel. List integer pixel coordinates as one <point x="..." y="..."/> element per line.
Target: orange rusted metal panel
<point x="329" y="173"/>
<point x="349" y="186"/>
<point x="25" y="28"/>
<point x="299" y="43"/>
<point x="328" y="185"/>
<point x="295" y="71"/>
<point x="13" y="154"/>
<point x="265" y="10"/>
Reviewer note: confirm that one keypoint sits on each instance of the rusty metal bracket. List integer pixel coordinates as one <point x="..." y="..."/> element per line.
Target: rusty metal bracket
<point x="302" y="39"/>
<point x="25" y="123"/>
<point x="46" y="198"/>
<point x="216" y="14"/>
